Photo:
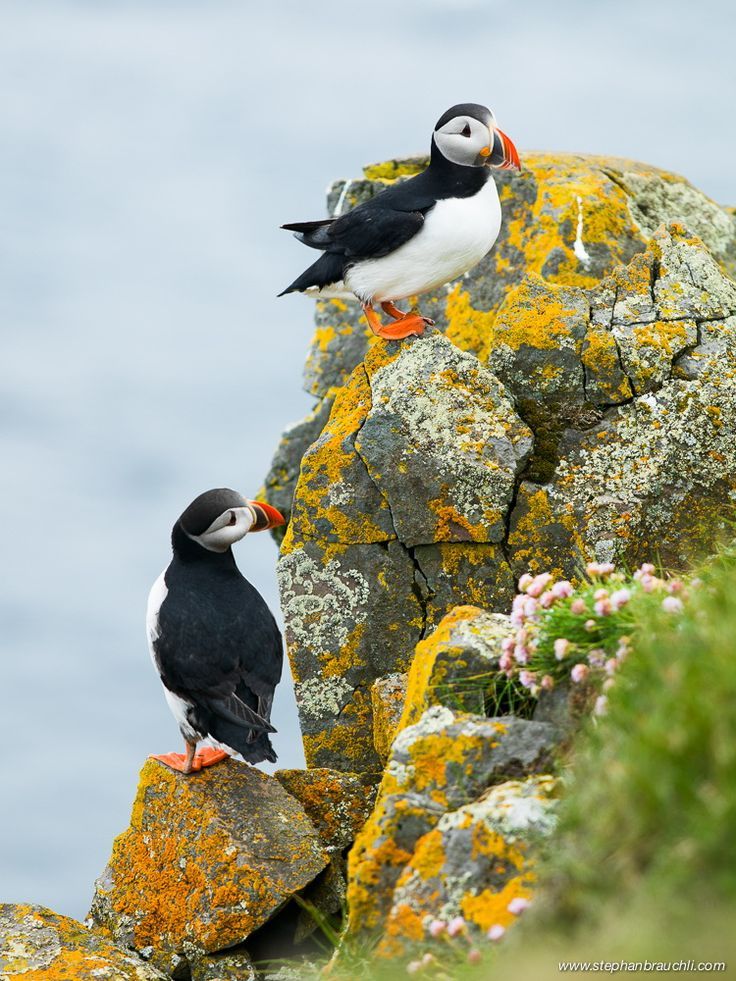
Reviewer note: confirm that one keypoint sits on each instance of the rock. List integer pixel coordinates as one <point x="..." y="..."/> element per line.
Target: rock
<point x="472" y="864"/>
<point x="387" y="703"/>
<point x="455" y="665"/>
<point x="40" y="945"/>
<point x="439" y="764"/>
<point x="588" y="416"/>
<point x="337" y="804"/>
<point x="206" y="861"/>
<point x="421" y="443"/>
<point x="567" y="218"/>
<point x="227" y="966"/>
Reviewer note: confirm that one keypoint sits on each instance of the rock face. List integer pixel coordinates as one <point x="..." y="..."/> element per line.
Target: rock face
<point x="442" y="763"/>
<point x="473" y="864"/>
<point x="577" y="401"/>
<point x="388" y="696"/>
<point x="206" y="861"/>
<point x="39" y="945"/>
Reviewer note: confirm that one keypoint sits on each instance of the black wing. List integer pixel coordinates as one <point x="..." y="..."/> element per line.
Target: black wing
<point x="365" y="233"/>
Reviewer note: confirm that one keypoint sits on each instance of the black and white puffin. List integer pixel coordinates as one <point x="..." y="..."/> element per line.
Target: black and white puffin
<point x="212" y="637"/>
<point x="418" y="234"/>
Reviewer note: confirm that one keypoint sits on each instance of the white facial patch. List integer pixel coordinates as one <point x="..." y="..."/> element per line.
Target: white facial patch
<point x="462" y="139"/>
<point x="228" y="528"/>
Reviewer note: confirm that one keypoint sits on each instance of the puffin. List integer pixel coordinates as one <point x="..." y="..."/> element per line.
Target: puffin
<point x="212" y="637"/>
<point x="418" y="234"/>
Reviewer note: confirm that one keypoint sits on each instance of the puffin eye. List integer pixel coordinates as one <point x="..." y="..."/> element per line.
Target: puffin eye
<point x="233" y="518"/>
<point x="465" y="130"/>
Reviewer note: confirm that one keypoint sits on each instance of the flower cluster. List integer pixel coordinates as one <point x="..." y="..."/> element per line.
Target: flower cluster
<point x="579" y="633"/>
<point x="456" y="932"/>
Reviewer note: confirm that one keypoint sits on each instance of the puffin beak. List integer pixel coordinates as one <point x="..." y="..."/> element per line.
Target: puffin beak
<point x="503" y="153"/>
<point x="266" y="516"/>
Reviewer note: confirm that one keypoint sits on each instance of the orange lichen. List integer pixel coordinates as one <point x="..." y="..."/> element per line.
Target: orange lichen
<point x="533" y="315"/>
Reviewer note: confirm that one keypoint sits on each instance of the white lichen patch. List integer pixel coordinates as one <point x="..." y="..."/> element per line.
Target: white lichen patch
<point x="579" y="248"/>
<point x="320" y="699"/>
<point x="322" y="604"/>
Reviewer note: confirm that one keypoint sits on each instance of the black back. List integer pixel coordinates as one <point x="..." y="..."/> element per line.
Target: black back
<point x="379" y="226"/>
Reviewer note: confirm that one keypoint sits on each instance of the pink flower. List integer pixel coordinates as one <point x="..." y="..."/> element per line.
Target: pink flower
<point x="505" y="662"/>
<point x="579" y="673"/>
<point x="675" y="586"/>
<point x="646" y="569"/>
<point x="601" y="705"/>
<point x="671" y="604"/>
<point x="517" y="905"/>
<point x="525" y="581"/>
<point x="474" y="956"/>
<point x="547" y="682"/>
<point x="649" y="583"/>
<point x="562" y="589"/>
<point x="578" y="606"/>
<point x="597" y="658"/>
<point x="530" y="607"/>
<point x="517" y="603"/>
<point x="413" y="967"/>
<point x="608" y="684"/>
<point x="428" y="959"/>
<point x="562" y="646"/>
<point x="538" y="584"/>
<point x="600" y="594"/>
<point x="521" y="654"/>
<point x="527" y="678"/>
<point x="507" y="645"/>
<point x="547" y="599"/>
<point x="496" y="932"/>
<point x="611" y="665"/>
<point x="590" y="625"/>
<point x="602" y="607"/>
<point x="437" y="928"/>
<point x="456" y="926"/>
<point x="601" y="569"/>
<point x="620" y="598"/>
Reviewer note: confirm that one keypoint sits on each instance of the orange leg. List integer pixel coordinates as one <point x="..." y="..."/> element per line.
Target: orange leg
<point x="397" y="314"/>
<point x="192" y="761"/>
<point x="410" y="323"/>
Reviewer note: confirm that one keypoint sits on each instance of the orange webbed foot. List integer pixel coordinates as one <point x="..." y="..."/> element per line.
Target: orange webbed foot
<point x="393" y="311"/>
<point x="183" y="763"/>
<point x="410" y="323"/>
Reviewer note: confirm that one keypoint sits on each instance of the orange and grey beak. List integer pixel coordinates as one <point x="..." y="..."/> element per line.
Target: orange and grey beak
<point x="502" y="153"/>
<point x="266" y="516"/>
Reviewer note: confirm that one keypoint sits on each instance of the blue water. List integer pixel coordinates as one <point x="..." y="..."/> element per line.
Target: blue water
<point x="148" y="152"/>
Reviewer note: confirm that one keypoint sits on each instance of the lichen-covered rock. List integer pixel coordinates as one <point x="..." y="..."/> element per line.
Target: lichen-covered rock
<point x="387" y="703"/>
<point x="439" y="764"/>
<point x="226" y="966"/>
<point x="337" y="804"/>
<point x="453" y="666"/>
<point x="567" y="218"/>
<point x="399" y="508"/>
<point x="589" y="415"/>
<point x="472" y="864"/>
<point x="37" y="944"/>
<point x="206" y="861"/>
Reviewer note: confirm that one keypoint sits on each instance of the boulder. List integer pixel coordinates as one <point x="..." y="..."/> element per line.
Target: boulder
<point x="37" y="944"/>
<point x="337" y="804"/>
<point x="400" y="506"/>
<point x="567" y="218"/>
<point x="455" y="665"/>
<point x="439" y="764"/>
<point x="473" y="864"/>
<point x="388" y="695"/>
<point x="207" y="860"/>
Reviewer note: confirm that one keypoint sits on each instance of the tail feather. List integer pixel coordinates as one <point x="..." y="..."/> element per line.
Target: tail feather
<point x="315" y="234"/>
<point x="328" y="269"/>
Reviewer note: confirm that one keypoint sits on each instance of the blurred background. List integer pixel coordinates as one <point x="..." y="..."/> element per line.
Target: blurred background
<point x="148" y="153"/>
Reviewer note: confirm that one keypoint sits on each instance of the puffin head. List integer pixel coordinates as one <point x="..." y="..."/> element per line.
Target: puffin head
<point x="467" y="134"/>
<point x="220" y="517"/>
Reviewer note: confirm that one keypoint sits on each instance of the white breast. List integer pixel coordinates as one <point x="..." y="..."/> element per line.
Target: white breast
<point x="156" y="597"/>
<point x="456" y="234"/>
